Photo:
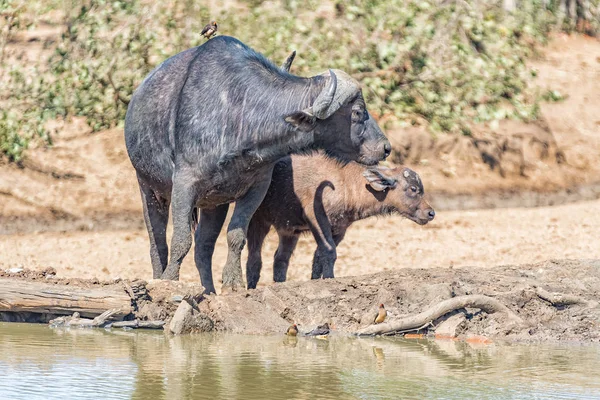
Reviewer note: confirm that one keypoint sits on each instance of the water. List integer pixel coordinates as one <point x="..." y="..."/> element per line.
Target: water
<point x="37" y="362"/>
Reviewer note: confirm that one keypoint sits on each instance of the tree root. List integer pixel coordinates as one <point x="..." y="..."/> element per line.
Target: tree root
<point x="559" y="299"/>
<point x="485" y="303"/>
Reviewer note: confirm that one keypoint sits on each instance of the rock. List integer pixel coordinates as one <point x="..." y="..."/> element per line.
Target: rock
<point x="273" y="302"/>
<point x="449" y="172"/>
<point x="451" y="327"/>
<point x="167" y="291"/>
<point x="237" y="313"/>
<point x="15" y="270"/>
<point x="177" y="298"/>
<point x="151" y="311"/>
<point x="48" y="271"/>
<point x="184" y="312"/>
<point x="187" y="320"/>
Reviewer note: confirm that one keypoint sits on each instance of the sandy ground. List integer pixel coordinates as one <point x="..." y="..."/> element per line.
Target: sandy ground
<point x="76" y="206"/>
<point x="461" y="238"/>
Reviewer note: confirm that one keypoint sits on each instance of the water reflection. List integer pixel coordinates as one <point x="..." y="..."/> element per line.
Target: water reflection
<point x="40" y="363"/>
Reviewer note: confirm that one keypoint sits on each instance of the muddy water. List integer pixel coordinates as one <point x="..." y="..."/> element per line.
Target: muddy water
<point x="37" y="362"/>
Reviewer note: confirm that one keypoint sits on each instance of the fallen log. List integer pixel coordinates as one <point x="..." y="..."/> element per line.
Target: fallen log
<point x="48" y="298"/>
<point x="485" y="303"/>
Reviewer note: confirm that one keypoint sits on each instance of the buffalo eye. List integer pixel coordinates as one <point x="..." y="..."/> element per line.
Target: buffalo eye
<point x="357" y="115"/>
<point x="414" y="189"/>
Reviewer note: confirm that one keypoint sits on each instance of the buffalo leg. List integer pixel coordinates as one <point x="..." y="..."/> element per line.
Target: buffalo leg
<point x="257" y="231"/>
<point x="287" y="244"/>
<point x="156" y="216"/>
<point x="207" y="232"/>
<point x="237" y="231"/>
<point x="182" y="205"/>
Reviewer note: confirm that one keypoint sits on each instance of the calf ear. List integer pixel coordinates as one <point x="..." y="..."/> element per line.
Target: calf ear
<point x="302" y="121"/>
<point x="378" y="181"/>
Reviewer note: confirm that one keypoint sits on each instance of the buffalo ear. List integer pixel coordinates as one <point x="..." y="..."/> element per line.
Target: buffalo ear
<point x="302" y="120"/>
<point x="378" y="181"/>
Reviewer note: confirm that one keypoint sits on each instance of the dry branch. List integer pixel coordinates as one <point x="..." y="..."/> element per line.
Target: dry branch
<point x="108" y="81"/>
<point x="559" y="299"/>
<point x="137" y="324"/>
<point x="42" y="297"/>
<point x="485" y="303"/>
<point x="77" y="321"/>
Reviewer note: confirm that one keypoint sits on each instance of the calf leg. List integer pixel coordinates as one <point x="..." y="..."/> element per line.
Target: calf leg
<point x="287" y="244"/>
<point x="257" y="231"/>
<point x="156" y="216"/>
<point x="207" y="232"/>
<point x="182" y="203"/>
<point x="237" y="231"/>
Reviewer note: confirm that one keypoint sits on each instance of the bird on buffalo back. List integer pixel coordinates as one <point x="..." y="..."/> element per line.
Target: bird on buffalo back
<point x="209" y="30"/>
<point x="380" y="317"/>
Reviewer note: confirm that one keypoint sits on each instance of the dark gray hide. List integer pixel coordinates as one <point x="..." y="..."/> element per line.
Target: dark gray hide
<point x="206" y="127"/>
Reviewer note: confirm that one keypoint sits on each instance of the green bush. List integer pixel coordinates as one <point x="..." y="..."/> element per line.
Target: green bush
<point x="451" y="65"/>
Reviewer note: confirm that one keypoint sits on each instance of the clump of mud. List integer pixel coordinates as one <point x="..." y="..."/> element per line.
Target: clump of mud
<point x="49" y="275"/>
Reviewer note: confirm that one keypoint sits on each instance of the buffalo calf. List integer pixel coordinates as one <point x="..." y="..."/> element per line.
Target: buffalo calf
<point x="317" y="194"/>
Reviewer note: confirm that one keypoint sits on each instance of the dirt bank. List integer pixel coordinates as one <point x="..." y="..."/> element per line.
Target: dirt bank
<point x="349" y="304"/>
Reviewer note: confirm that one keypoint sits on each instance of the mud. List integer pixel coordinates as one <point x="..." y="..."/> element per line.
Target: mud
<point x="349" y="304"/>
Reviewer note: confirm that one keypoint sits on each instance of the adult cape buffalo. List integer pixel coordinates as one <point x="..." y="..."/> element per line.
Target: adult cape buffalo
<point x="206" y="127"/>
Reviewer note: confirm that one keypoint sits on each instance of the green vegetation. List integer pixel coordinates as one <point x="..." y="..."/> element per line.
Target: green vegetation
<point x="447" y="65"/>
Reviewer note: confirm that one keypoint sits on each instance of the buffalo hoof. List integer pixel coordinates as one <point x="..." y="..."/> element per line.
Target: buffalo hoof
<point x="232" y="288"/>
<point x="208" y="291"/>
<point x="170" y="275"/>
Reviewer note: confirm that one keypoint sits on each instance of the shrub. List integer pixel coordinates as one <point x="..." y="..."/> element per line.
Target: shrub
<point x="451" y="65"/>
